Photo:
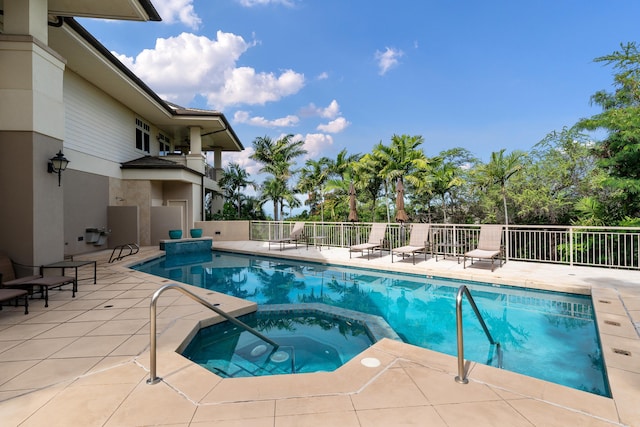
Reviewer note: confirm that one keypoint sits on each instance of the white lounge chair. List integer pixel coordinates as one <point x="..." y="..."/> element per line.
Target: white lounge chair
<point x="489" y="245"/>
<point x="418" y="241"/>
<point x="376" y="238"/>
<point x="297" y="234"/>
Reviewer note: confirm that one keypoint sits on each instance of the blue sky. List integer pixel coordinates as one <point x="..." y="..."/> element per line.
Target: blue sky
<point x="351" y="73"/>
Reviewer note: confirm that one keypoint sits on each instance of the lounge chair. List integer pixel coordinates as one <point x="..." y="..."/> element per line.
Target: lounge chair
<point x="418" y="241"/>
<point x="15" y="294"/>
<point x="297" y="234"/>
<point x="489" y="245"/>
<point x="376" y="238"/>
<point x="8" y="280"/>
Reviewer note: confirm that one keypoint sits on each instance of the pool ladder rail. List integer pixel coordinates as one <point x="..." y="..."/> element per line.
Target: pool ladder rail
<point x="132" y="247"/>
<point x="153" y="378"/>
<point x="462" y="291"/>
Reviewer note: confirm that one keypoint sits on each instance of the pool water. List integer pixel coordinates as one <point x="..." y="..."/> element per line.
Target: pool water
<point x="308" y="342"/>
<point x="547" y="335"/>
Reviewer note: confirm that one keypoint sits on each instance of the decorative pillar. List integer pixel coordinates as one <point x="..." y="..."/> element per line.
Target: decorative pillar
<point x="32" y="131"/>
<point x="195" y="160"/>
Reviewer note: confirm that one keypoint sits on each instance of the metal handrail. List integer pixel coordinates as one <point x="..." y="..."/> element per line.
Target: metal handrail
<point x="133" y="249"/>
<point x="463" y="290"/>
<point x="153" y="379"/>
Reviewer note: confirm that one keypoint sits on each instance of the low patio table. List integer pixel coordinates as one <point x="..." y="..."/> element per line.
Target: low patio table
<point x="71" y="264"/>
<point x="317" y="241"/>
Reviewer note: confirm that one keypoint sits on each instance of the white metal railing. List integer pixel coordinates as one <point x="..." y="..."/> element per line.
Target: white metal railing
<point x="614" y="247"/>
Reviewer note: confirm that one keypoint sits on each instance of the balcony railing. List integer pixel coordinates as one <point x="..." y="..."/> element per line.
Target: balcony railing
<point x="613" y="247"/>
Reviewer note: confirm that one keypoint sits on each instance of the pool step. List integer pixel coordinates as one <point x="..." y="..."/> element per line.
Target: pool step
<point x="240" y="367"/>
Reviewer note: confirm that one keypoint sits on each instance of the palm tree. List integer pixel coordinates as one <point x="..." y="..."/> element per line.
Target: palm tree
<point x="273" y="189"/>
<point x="397" y="161"/>
<point x="498" y="171"/>
<point x="235" y="179"/>
<point x="445" y="178"/>
<point x="368" y="182"/>
<point x="342" y="164"/>
<point x="313" y="177"/>
<point x="277" y="159"/>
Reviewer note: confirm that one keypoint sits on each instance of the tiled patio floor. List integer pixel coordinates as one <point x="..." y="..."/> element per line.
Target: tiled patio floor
<point x="84" y="361"/>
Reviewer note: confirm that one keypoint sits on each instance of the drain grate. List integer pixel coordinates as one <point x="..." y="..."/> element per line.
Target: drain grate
<point x="611" y="322"/>
<point x="604" y="301"/>
<point x="622" y="352"/>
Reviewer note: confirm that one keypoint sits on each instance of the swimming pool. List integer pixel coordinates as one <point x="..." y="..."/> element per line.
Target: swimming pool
<point x="546" y="335"/>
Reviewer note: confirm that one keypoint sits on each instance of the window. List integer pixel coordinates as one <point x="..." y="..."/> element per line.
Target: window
<point x="142" y="136"/>
<point x="165" y="145"/>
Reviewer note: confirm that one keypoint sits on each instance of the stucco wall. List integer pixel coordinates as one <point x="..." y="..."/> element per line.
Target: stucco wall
<point x="224" y="230"/>
<point x="85" y="206"/>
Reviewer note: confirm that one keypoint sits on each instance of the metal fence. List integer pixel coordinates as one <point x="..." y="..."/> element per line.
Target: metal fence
<point x="614" y="247"/>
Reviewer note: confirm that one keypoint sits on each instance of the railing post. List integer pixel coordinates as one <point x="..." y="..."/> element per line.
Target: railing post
<point x="153" y="378"/>
<point x="463" y="290"/>
<point x="571" y="246"/>
<point x="461" y="377"/>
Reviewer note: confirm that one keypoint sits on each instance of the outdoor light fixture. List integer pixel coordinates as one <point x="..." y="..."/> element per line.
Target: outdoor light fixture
<point x="57" y="164"/>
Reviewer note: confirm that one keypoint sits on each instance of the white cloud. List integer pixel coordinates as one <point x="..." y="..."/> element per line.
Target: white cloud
<point x="333" y="110"/>
<point x="244" y="86"/>
<point x="244" y="117"/>
<point x="387" y="59"/>
<point x="334" y="126"/>
<point x="181" y="67"/>
<point x="251" y="3"/>
<point x="323" y="76"/>
<point x="316" y="144"/>
<point x="242" y="158"/>
<point x="178" y="11"/>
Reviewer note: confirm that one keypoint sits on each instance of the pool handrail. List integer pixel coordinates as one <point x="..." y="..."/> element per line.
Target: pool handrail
<point x="463" y="290"/>
<point x="153" y="379"/>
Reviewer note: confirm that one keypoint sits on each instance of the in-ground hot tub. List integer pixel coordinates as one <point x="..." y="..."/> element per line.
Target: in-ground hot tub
<point x="310" y="338"/>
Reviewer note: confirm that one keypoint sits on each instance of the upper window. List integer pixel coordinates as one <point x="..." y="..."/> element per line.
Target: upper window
<point x="165" y="145"/>
<point x="142" y="136"/>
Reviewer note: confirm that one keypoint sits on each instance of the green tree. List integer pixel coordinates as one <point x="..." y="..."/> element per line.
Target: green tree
<point x="274" y="190"/>
<point x="278" y="159"/>
<point x="312" y="180"/>
<point x="368" y="182"/>
<point x="233" y="181"/>
<point x="619" y="152"/>
<point x="561" y="169"/>
<point x="397" y="161"/>
<point x="498" y="171"/>
<point x="445" y="178"/>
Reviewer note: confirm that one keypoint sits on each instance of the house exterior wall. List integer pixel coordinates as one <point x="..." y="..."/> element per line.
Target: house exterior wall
<point x="99" y="126"/>
<point x="47" y="106"/>
<point x="85" y="206"/>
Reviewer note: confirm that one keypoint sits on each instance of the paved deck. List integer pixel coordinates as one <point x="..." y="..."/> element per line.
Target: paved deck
<point x="84" y="361"/>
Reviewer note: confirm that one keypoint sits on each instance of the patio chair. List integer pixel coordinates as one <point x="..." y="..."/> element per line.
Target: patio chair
<point x="15" y="294"/>
<point x="375" y="242"/>
<point x="418" y="240"/>
<point x="297" y="234"/>
<point x="8" y="280"/>
<point x="489" y="245"/>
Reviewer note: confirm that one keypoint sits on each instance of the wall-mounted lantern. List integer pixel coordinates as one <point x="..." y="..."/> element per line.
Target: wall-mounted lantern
<point x="57" y="164"/>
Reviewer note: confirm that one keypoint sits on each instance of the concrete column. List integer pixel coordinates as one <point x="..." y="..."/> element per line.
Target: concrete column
<point x="27" y="17"/>
<point x="31" y="132"/>
<point x="195" y="160"/>
<point x="217" y="162"/>
<point x="195" y="140"/>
